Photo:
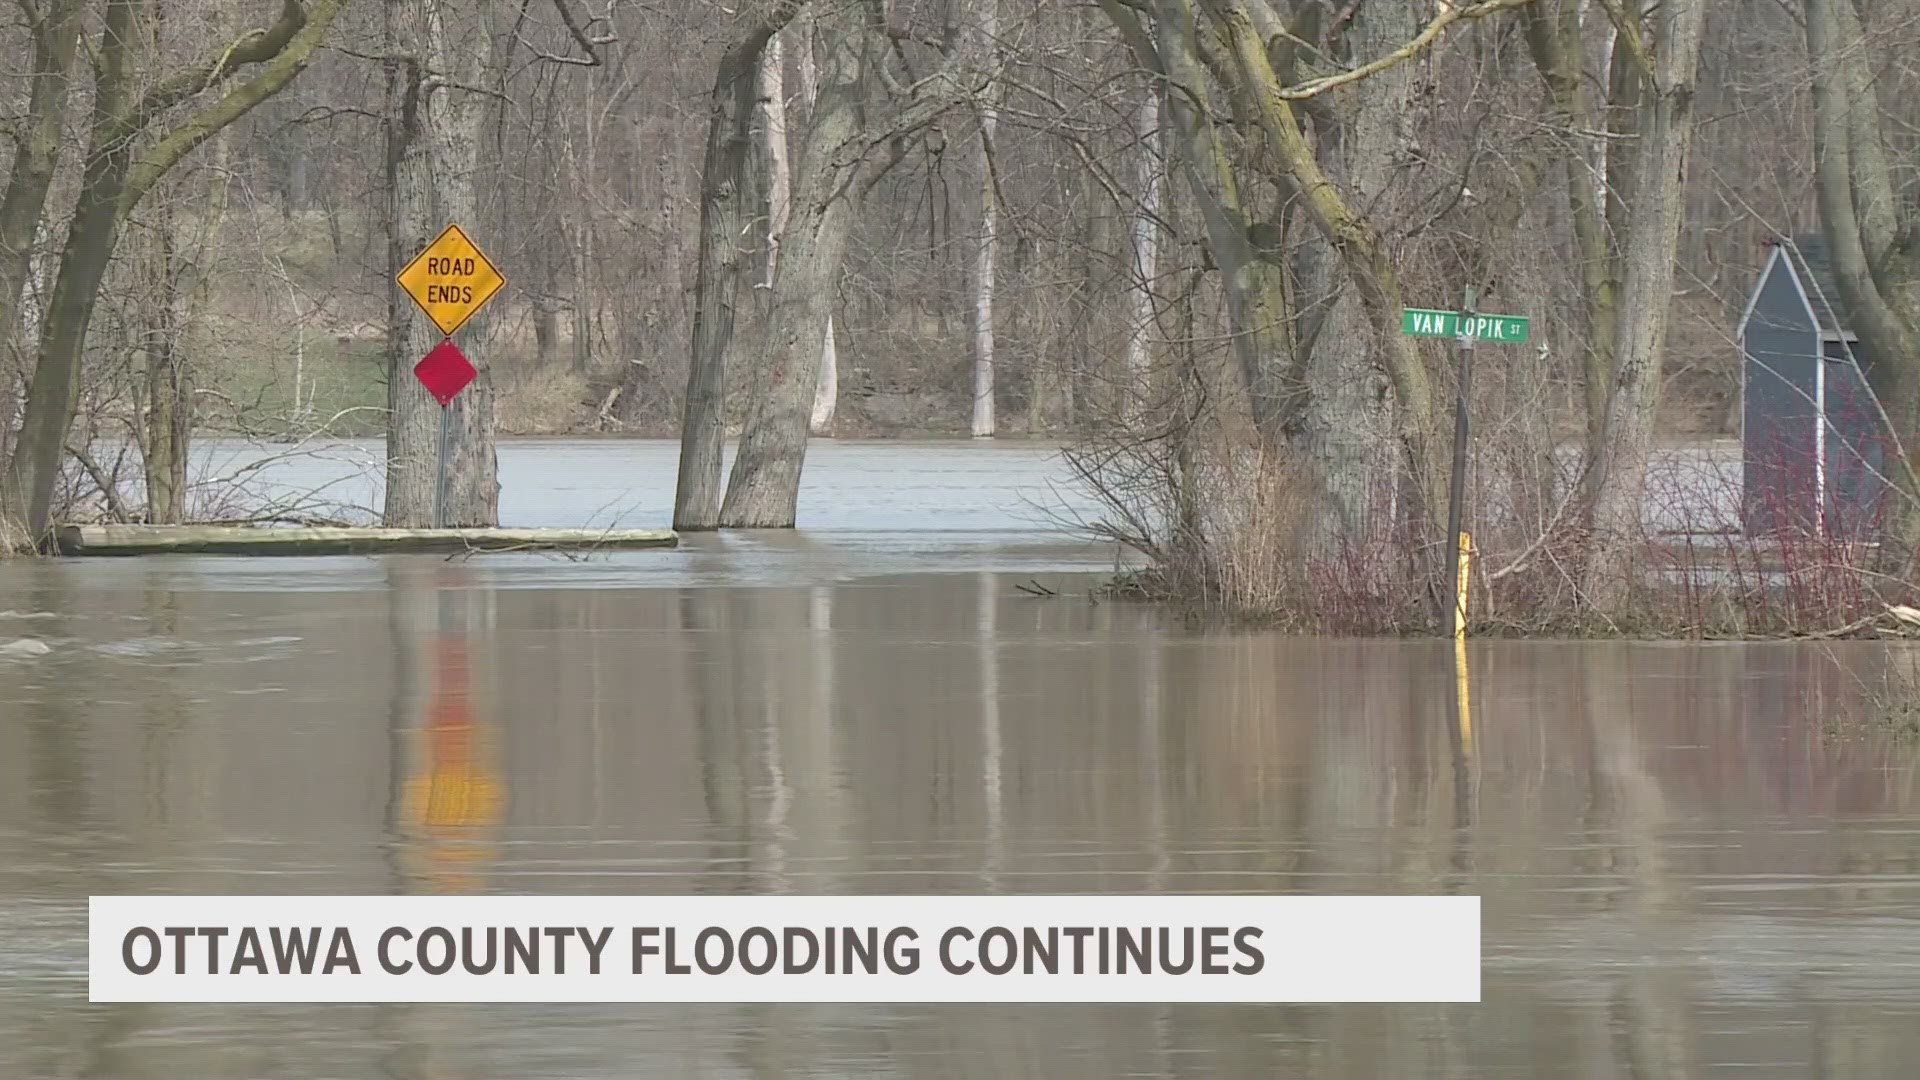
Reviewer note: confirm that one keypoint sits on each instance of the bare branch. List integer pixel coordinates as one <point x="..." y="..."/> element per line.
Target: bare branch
<point x="590" y="43"/>
<point x="1449" y="12"/>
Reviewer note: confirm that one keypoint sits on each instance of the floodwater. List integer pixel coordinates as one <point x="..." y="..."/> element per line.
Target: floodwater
<point x="1696" y="860"/>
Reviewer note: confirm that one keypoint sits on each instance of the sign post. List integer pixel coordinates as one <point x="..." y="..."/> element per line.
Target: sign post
<point x="1466" y="326"/>
<point x="440" y="477"/>
<point x="1457" y="493"/>
<point x="450" y="280"/>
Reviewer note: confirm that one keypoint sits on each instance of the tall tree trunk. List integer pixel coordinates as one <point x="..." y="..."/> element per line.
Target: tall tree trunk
<point x="583" y="294"/>
<point x="779" y="168"/>
<point x="835" y="172"/>
<point x="23" y="207"/>
<point x="433" y="139"/>
<point x="763" y="490"/>
<point x="111" y="186"/>
<point x="1658" y="202"/>
<point x="546" y="331"/>
<point x="826" y="395"/>
<point x="1555" y="38"/>
<point x="584" y="168"/>
<point x="723" y="223"/>
<point x="1369" y="264"/>
<point x="170" y="384"/>
<point x="1146" y="256"/>
<point x="985" y="258"/>
<point x="55" y="393"/>
<point x="168" y="414"/>
<point x="1349" y="423"/>
<point x="1876" y="257"/>
<point x="454" y="123"/>
<point x="1252" y="276"/>
<point x="986" y="253"/>
<point x="412" y="430"/>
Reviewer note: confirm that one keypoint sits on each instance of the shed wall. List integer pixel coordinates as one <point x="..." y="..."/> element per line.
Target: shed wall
<point x="1778" y="411"/>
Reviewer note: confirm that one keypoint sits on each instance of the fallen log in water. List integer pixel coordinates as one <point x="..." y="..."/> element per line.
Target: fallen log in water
<point x="248" y="540"/>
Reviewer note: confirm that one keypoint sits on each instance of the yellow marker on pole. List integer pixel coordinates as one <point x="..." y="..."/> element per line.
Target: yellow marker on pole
<point x="1460" y="600"/>
<point x="1460" y="643"/>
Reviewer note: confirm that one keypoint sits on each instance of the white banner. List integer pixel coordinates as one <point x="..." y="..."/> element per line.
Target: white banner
<point x="784" y="948"/>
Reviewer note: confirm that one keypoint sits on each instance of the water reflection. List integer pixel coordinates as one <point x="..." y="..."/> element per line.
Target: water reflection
<point x="1683" y="870"/>
<point x="452" y="793"/>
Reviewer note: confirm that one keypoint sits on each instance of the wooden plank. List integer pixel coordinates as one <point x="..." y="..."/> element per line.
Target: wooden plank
<point x="128" y="540"/>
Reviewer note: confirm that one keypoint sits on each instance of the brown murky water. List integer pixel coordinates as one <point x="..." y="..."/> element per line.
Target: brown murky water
<point x="1695" y="861"/>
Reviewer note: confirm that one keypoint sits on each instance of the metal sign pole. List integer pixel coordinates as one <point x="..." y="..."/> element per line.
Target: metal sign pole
<point x="1457" y="496"/>
<point x="440" y="482"/>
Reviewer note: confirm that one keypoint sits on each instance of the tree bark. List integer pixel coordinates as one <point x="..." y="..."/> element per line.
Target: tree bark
<point x="986" y="254"/>
<point x="1349" y="417"/>
<point x="583" y="294"/>
<point x="585" y="165"/>
<point x="195" y="295"/>
<point x="723" y="223"/>
<point x="987" y="250"/>
<point x="1658" y="203"/>
<point x="1251" y="277"/>
<point x="23" y="208"/>
<point x="1553" y="34"/>
<point x="1872" y="250"/>
<point x="113" y="183"/>
<point x="779" y="170"/>
<point x="826" y="396"/>
<point x="180" y="285"/>
<point x="779" y="167"/>
<point x="1146" y="256"/>
<point x="763" y="490"/>
<point x="434" y="122"/>
<point x="1368" y="262"/>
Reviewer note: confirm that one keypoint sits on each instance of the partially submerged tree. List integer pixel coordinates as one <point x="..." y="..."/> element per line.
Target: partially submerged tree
<point x="135" y="138"/>
<point x="861" y="107"/>
<point x="725" y="210"/>
<point x="436" y="54"/>
<point x="1272" y="98"/>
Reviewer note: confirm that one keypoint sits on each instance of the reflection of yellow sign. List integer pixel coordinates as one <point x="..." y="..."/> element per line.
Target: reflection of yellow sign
<point x="454" y="798"/>
<point x="452" y="804"/>
<point x="451" y="280"/>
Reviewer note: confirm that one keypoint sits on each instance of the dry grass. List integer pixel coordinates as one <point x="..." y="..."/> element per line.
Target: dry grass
<point x="541" y="401"/>
<point x="1236" y="533"/>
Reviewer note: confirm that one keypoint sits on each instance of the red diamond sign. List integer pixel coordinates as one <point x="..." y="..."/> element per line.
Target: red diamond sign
<point x="445" y="372"/>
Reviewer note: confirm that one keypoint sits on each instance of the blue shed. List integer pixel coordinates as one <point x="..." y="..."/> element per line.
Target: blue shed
<point x="1812" y="444"/>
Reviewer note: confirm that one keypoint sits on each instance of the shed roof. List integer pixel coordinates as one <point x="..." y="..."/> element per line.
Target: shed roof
<point x="1814" y="263"/>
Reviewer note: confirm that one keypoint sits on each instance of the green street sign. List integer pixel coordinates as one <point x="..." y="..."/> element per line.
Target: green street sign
<point x="1420" y="322"/>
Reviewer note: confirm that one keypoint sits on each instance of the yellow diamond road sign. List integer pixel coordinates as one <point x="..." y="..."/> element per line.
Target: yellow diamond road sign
<point x="451" y="280"/>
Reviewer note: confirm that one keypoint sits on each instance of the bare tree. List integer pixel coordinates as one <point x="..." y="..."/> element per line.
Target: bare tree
<point x="1871" y="234"/>
<point x="724" y="214"/>
<point x="434" y="128"/>
<point x="987" y="247"/>
<point x="837" y="165"/>
<point x="1557" y="41"/>
<point x="119" y="172"/>
<point x="55" y="32"/>
<point x="1146" y="250"/>
<point x="1665" y="67"/>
